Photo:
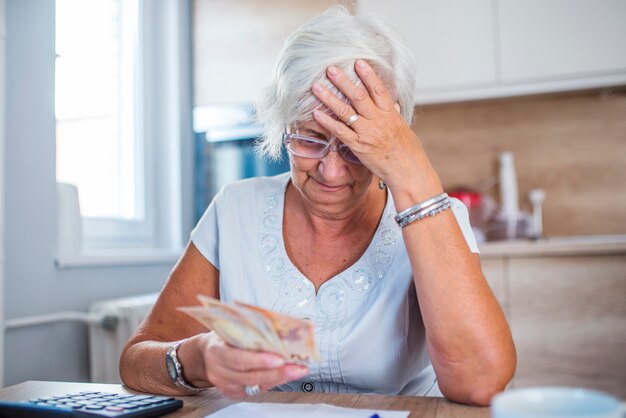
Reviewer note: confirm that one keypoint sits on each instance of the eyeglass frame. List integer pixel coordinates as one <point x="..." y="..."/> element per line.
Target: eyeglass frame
<point x="329" y="145"/>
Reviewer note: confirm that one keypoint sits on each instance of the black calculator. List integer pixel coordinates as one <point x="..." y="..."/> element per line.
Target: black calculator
<point x="90" y="405"/>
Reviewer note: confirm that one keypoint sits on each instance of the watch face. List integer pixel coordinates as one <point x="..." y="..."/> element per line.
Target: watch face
<point x="171" y="367"/>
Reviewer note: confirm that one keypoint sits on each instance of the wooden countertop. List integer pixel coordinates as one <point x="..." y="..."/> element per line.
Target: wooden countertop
<point x="555" y="246"/>
<point x="211" y="401"/>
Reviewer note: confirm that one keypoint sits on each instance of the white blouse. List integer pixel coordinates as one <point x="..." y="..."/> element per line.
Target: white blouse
<point x="367" y="320"/>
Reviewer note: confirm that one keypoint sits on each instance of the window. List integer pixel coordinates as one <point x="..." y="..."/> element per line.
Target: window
<point x="95" y="105"/>
<point x="116" y="139"/>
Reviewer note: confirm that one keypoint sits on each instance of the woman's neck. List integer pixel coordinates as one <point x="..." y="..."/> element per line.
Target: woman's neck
<point x="362" y="216"/>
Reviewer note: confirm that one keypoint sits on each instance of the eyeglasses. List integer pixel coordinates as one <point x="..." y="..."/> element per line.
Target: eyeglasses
<point x="308" y="147"/>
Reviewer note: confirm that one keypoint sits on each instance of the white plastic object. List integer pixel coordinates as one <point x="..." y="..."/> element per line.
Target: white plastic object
<point x="537" y="197"/>
<point x="508" y="193"/>
<point x="69" y="220"/>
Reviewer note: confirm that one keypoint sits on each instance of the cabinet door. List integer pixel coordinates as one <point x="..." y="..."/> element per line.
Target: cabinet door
<point x="236" y="44"/>
<point x="494" y="270"/>
<point x="569" y="321"/>
<point x="452" y="40"/>
<point x="544" y="39"/>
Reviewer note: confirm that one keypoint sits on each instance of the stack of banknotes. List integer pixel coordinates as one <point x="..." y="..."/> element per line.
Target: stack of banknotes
<point x="254" y="328"/>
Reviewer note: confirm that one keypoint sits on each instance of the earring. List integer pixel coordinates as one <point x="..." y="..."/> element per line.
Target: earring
<point x="381" y="184"/>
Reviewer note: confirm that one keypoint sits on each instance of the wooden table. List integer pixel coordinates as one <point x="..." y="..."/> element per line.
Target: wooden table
<point x="210" y="401"/>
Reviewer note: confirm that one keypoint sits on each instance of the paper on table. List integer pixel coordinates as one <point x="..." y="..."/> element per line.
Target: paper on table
<point x="301" y="410"/>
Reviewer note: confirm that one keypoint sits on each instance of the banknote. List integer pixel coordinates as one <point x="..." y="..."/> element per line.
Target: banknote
<point x="254" y="328"/>
<point x="297" y="335"/>
<point x="234" y="329"/>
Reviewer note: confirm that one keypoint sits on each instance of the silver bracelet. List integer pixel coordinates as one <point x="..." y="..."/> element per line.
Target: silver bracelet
<point x="429" y="207"/>
<point x="430" y="211"/>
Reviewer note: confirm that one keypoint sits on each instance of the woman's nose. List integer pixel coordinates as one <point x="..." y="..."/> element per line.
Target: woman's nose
<point x="332" y="165"/>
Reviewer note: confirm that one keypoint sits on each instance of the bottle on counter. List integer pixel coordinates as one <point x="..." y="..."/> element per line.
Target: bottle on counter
<point x="536" y="197"/>
<point x="509" y="205"/>
<point x="509" y="221"/>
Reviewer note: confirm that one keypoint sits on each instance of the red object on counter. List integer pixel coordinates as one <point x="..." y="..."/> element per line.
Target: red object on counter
<point x="470" y="198"/>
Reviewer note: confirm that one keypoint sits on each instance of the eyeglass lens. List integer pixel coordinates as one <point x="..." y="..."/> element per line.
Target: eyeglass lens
<point x="307" y="147"/>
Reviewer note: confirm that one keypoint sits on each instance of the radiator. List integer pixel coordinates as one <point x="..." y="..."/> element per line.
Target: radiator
<point x="106" y="341"/>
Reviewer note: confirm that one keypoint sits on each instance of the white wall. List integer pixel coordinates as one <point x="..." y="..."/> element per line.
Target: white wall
<point x="2" y="49"/>
<point x="33" y="285"/>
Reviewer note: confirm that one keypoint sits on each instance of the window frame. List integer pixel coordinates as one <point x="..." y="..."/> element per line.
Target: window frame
<point x="165" y="94"/>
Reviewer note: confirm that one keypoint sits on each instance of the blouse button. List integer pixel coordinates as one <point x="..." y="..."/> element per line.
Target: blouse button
<point x="307" y="387"/>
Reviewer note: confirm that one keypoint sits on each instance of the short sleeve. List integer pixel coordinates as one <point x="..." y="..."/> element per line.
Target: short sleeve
<point x="205" y="236"/>
<point x="462" y="217"/>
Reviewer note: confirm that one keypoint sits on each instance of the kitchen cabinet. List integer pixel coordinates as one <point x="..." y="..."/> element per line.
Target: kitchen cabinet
<point x="561" y="39"/>
<point x="499" y="48"/>
<point x="565" y="300"/>
<point x="236" y="45"/>
<point x="569" y="321"/>
<point x="495" y="271"/>
<point x="444" y="37"/>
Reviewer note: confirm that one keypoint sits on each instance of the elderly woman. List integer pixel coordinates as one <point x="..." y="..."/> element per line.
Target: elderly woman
<point x="358" y="237"/>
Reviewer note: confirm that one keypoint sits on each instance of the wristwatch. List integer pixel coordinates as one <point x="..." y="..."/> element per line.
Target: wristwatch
<point x="175" y="369"/>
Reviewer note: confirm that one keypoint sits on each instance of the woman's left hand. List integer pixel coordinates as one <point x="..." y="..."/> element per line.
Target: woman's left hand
<point x="380" y="137"/>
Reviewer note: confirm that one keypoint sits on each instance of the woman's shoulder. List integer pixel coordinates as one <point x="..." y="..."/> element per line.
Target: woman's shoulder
<point x="254" y="187"/>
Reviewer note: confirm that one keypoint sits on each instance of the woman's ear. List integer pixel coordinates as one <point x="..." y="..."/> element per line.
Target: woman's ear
<point x="397" y="106"/>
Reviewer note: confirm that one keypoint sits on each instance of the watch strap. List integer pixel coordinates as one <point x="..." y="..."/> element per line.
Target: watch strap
<point x="180" y="380"/>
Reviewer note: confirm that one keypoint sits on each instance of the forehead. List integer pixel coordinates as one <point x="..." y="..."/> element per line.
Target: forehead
<point x="310" y="125"/>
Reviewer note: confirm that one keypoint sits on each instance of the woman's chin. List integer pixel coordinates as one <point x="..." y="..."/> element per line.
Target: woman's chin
<point x="335" y="201"/>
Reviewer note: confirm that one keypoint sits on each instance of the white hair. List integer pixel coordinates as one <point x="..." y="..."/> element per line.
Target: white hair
<point x="332" y="38"/>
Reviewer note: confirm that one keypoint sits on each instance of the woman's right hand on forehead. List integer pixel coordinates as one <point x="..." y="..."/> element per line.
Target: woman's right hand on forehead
<point x="379" y="136"/>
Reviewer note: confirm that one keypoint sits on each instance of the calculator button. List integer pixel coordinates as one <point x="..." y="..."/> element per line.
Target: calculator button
<point x="127" y="406"/>
<point x="139" y="398"/>
<point x="94" y="407"/>
<point x="114" y="409"/>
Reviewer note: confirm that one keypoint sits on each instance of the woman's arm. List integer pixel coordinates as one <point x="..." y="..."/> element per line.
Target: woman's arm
<point x="468" y="337"/>
<point x="206" y="359"/>
<point x="469" y="340"/>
